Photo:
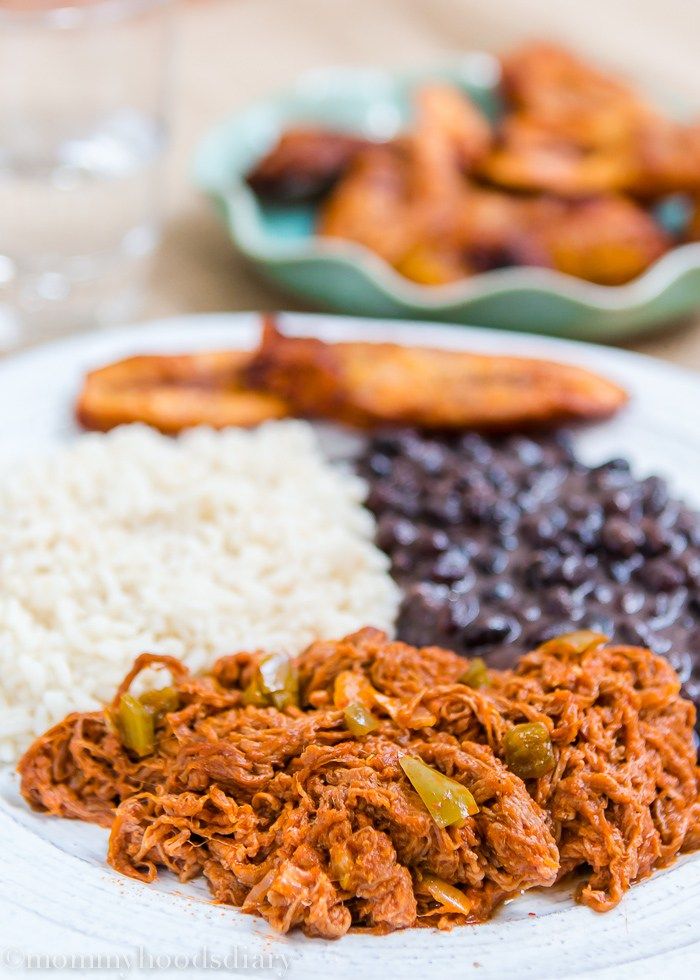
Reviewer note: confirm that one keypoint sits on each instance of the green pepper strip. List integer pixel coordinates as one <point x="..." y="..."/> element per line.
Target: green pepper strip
<point x="274" y="682"/>
<point x="161" y="701"/>
<point x="135" y="725"/>
<point x="447" y="801"/>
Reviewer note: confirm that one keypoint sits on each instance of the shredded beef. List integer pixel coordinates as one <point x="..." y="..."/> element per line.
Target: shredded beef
<point x="289" y="816"/>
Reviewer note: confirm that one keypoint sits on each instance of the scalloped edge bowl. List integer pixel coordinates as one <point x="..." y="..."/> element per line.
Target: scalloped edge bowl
<point x="349" y="278"/>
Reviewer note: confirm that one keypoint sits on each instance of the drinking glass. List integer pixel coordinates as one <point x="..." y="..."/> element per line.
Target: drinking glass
<point x="83" y="93"/>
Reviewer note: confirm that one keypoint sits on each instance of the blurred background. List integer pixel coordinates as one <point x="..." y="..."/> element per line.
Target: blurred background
<point x="226" y="53"/>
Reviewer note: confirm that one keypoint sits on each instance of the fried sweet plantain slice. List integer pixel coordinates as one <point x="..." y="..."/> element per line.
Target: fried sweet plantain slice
<point x="366" y="384"/>
<point x="608" y="240"/>
<point x="369" y="205"/>
<point x="692" y="232"/>
<point x="488" y="230"/>
<point x="573" y="131"/>
<point x="431" y="263"/>
<point x="667" y="159"/>
<point x="303" y="164"/>
<point x="448" y="213"/>
<point x="569" y="97"/>
<point x="402" y="200"/>
<point x="447" y="112"/>
<point x="657" y="157"/>
<point x="529" y="156"/>
<point x="173" y="393"/>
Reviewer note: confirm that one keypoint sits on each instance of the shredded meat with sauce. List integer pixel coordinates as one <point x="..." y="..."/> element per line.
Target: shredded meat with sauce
<point x="290" y="816"/>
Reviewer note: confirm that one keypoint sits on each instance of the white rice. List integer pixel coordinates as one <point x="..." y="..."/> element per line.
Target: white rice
<point x="199" y="546"/>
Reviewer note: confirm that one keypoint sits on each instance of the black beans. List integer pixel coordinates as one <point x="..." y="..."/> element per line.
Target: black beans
<point x="501" y="543"/>
<point x="379" y="464"/>
<point x="463" y="610"/>
<point x="450" y="566"/>
<point x="395" y="532"/>
<point x="662" y="575"/>
<point x="621" y="537"/>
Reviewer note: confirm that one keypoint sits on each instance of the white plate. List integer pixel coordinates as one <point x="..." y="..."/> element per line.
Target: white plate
<point x="61" y="906"/>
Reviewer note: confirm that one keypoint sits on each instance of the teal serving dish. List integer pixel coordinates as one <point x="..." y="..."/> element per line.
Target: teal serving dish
<point x="346" y="277"/>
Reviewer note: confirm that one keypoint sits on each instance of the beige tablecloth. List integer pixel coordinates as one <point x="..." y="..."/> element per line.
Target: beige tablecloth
<point x="231" y="51"/>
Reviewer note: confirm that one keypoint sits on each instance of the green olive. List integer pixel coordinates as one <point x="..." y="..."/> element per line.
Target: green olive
<point x="528" y="750"/>
<point x="447" y="801"/>
<point x="476" y="675"/>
